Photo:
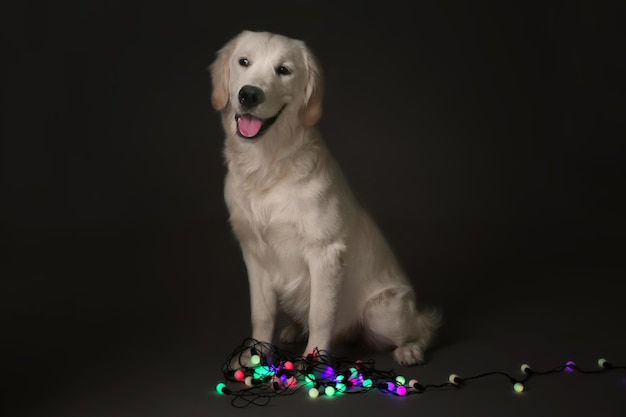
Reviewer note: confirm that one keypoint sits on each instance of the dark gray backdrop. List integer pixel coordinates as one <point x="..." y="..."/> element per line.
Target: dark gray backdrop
<point x="486" y="139"/>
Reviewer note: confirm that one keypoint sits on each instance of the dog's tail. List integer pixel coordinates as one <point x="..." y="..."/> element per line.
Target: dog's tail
<point x="429" y="320"/>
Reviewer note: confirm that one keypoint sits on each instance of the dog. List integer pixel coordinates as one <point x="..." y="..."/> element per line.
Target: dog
<point x="311" y="251"/>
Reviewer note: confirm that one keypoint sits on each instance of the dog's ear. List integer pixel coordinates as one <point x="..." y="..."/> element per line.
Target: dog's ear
<point x="312" y="109"/>
<point x="220" y="74"/>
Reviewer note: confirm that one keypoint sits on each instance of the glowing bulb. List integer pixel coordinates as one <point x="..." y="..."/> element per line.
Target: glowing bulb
<point x="340" y="387"/>
<point x="390" y="386"/>
<point x="309" y="379"/>
<point x="602" y="363"/>
<point x="525" y="368"/>
<point x="339" y="378"/>
<point x="255" y="360"/>
<point x="414" y="383"/>
<point x="248" y="381"/>
<point x="518" y="387"/>
<point x="239" y="375"/>
<point x="569" y="366"/>
<point x="401" y="390"/>
<point x="328" y="372"/>
<point x="400" y="380"/>
<point x="367" y="383"/>
<point x="329" y="391"/>
<point x="355" y="373"/>
<point x="314" y="393"/>
<point x="454" y="379"/>
<point x="288" y="365"/>
<point x="221" y="387"/>
<point x="264" y="371"/>
<point x="291" y="381"/>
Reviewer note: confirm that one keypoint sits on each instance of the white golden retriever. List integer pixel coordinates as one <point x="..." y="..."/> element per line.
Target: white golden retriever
<point x="310" y="249"/>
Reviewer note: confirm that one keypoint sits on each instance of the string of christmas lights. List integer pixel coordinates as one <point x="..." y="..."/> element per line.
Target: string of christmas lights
<point x="257" y="371"/>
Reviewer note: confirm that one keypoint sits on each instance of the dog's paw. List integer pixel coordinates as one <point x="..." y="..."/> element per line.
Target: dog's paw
<point x="293" y="333"/>
<point x="409" y="354"/>
<point x="242" y="360"/>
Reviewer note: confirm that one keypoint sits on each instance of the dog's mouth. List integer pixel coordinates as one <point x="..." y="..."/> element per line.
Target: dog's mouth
<point x="252" y="127"/>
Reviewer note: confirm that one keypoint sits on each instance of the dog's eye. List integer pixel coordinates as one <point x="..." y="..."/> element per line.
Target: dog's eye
<point x="244" y="62"/>
<point x="282" y="70"/>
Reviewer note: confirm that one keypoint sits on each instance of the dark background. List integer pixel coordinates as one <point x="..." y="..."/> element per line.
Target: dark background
<point x="486" y="139"/>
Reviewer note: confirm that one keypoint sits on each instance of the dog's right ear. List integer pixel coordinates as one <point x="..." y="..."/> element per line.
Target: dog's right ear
<point x="220" y="74"/>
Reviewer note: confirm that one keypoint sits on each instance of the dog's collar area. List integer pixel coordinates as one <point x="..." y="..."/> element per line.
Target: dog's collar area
<point x="250" y="127"/>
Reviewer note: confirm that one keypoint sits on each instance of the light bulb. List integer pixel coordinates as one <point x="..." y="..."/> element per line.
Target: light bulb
<point x="454" y="379"/>
<point x="221" y="388"/>
<point x="291" y="381"/>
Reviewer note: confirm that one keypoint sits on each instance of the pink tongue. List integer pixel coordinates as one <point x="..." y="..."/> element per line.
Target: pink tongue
<point x="249" y="126"/>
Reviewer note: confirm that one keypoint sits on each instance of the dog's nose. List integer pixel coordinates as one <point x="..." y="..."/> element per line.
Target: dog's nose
<point x="251" y="96"/>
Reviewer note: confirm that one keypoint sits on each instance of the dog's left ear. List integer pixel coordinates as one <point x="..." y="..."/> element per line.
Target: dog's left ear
<point x="220" y="74"/>
<point x="312" y="109"/>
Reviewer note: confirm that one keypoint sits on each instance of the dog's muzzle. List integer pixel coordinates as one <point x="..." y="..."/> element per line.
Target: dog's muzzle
<point x="250" y="97"/>
<point x="248" y="125"/>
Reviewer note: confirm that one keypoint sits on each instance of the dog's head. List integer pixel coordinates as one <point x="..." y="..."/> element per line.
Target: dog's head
<point x="260" y="75"/>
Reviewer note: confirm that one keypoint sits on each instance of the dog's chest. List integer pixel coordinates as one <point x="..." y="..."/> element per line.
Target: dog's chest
<point x="275" y="216"/>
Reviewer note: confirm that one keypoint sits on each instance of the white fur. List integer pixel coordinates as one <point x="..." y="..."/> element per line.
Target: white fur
<point x="310" y="249"/>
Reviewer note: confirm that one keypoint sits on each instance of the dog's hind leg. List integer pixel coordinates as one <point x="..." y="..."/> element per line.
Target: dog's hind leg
<point x="391" y="319"/>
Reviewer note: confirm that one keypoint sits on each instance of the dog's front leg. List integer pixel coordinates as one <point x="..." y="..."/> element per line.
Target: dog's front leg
<point x="262" y="299"/>
<point x="325" y="268"/>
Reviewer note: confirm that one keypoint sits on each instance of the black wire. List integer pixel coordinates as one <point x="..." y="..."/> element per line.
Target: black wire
<point x="317" y="363"/>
